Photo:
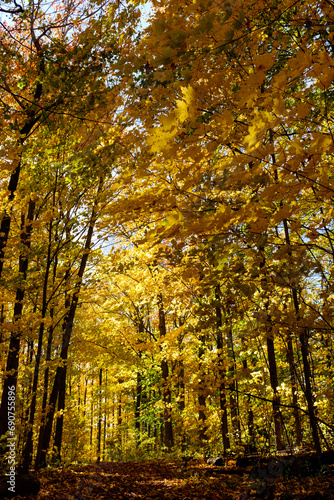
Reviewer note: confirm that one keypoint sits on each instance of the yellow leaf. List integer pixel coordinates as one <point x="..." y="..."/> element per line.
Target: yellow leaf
<point x="302" y="109"/>
<point x="283" y="213"/>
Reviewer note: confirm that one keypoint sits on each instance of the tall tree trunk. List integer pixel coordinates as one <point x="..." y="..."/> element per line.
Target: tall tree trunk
<point x="60" y="378"/>
<point x="99" y="424"/>
<point x="27" y="395"/>
<point x="34" y="113"/>
<point x="180" y="389"/>
<point x="221" y="373"/>
<point x="278" y="423"/>
<point x="85" y="397"/>
<point x="303" y="338"/>
<point x="181" y="404"/>
<point x="6" y="218"/>
<point x="292" y="369"/>
<point x="234" y="399"/>
<point x="27" y="451"/>
<point x="12" y="365"/>
<point x="106" y="419"/>
<point x="201" y="397"/>
<point x="2" y="320"/>
<point x="139" y="390"/>
<point x="61" y="390"/>
<point x="56" y="457"/>
<point x="293" y="382"/>
<point x="119" y="421"/>
<point x="46" y="373"/>
<point x="45" y="389"/>
<point x="180" y="386"/>
<point x="274" y="385"/>
<point x="168" y="438"/>
<point x="91" y="417"/>
<point x="137" y="408"/>
<point x="251" y="444"/>
<point x="47" y="359"/>
<point x="251" y="434"/>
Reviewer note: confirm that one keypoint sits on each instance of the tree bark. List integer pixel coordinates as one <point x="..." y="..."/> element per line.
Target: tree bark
<point x="99" y="424"/>
<point x="293" y="382"/>
<point x="221" y="374"/>
<point x="303" y="338"/>
<point x="137" y="408"/>
<point x="91" y="417"/>
<point x="168" y="438"/>
<point x="280" y="445"/>
<point x="278" y="423"/>
<point x="60" y="378"/>
<point x="10" y="379"/>
<point x="234" y="399"/>
<point x="119" y="421"/>
<point x="139" y="391"/>
<point x="48" y="356"/>
<point x="201" y="397"/>
<point x="27" y="451"/>
<point x="33" y="116"/>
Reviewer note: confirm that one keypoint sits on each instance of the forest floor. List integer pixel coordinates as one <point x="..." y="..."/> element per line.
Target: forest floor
<point x="177" y="480"/>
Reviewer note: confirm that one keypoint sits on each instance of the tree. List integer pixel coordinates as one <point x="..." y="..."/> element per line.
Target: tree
<point x="167" y="225"/>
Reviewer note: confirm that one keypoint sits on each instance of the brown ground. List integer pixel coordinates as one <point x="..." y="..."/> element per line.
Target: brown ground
<point x="176" y="481"/>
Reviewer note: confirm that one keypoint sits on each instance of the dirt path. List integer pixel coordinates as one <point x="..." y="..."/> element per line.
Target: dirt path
<point x="175" y="481"/>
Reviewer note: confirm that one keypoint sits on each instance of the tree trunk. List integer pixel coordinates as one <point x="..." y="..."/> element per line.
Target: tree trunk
<point x="168" y="438"/>
<point x="119" y="421"/>
<point x="106" y="418"/>
<point x="33" y="115"/>
<point x="56" y="457"/>
<point x="276" y="398"/>
<point x="27" y="451"/>
<point x="99" y="424"/>
<point x="221" y="374"/>
<point x="85" y="397"/>
<point x="27" y="395"/>
<point x="2" y="319"/>
<point x="91" y="417"/>
<point x="61" y="391"/>
<point x="303" y="338"/>
<point x="278" y="423"/>
<point x="47" y="369"/>
<point x="137" y="408"/>
<point x="234" y="399"/>
<point x="139" y="390"/>
<point x="201" y="397"/>
<point x="10" y="379"/>
<point x="293" y="381"/>
<point x="60" y="378"/>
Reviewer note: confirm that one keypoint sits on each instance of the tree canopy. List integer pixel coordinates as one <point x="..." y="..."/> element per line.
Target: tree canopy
<point x="167" y="237"/>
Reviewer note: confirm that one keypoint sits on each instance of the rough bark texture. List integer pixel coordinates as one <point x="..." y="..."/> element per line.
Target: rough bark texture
<point x="60" y="378"/>
<point x="15" y="337"/>
<point x="27" y="451"/>
<point x="99" y="424"/>
<point x="280" y="445"/>
<point x="222" y="375"/>
<point x="234" y="400"/>
<point x="201" y="397"/>
<point x="137" y="407"/>
<point x="168" y="438"/>
<point x="303" y="337"/>
<point x="293" y="382"/>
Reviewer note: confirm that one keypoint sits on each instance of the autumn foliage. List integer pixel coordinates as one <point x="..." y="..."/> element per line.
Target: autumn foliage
<point x="167" y="237"/>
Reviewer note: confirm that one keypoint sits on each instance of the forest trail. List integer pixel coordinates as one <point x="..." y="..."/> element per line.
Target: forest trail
<point x="175" y="480"/>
